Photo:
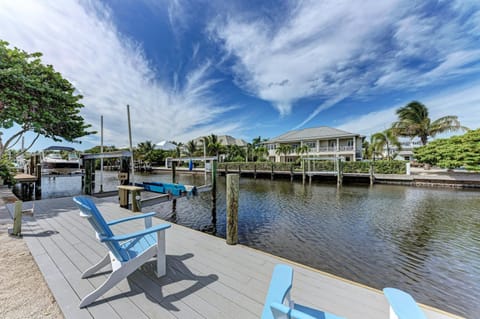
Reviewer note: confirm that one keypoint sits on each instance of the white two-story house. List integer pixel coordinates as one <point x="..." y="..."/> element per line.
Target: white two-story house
<point x="323" y="142"/>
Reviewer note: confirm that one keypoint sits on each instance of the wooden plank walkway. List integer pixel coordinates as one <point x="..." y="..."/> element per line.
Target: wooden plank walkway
<point x="205" y="277"/>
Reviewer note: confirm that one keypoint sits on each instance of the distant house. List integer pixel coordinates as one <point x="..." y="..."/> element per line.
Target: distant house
<point x="406" y="153"/>
<point x="323" y="141"/>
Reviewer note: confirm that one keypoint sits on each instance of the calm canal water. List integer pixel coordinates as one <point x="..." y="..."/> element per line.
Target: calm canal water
<point x="423" y="240"/>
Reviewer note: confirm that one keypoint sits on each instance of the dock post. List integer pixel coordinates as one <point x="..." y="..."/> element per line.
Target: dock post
<point x="272" y="172"/>
<point x="214" y="194"/>
<point x="254" y="171"/>
<point x="303" y="173"/>
<point x="232" y="208"/>
<point x="291" y="173"/>
<point x="38" y="182"/>
<point x="174" y="180"/>
<point x="339" y="172"/>
<point x="17" y="219"/>
<point x="372" y="176"/>
<point x="88" y="177"/>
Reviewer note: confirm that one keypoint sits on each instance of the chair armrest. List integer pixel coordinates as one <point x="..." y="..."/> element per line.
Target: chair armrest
<point x="295" y="314"/>
<point x="140" y="233"/>
<point x="126" y="219"/>
<point x="280" y="310"/>
<point x="403" y="304"/>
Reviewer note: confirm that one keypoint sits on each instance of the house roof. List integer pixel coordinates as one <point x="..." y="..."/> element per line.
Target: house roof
<point x="224" y="140"/>
<point x="311" y="133"/>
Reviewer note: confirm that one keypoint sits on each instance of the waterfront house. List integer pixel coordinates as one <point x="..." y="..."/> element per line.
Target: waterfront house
<point x="323" y="141"/>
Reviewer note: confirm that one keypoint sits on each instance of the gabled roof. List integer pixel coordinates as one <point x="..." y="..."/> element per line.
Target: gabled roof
<point x="311" y="133"/>
<point x="224" y="140"/>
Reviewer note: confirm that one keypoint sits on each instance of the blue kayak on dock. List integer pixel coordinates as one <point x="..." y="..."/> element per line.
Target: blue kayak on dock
<point x="168" y="188"/>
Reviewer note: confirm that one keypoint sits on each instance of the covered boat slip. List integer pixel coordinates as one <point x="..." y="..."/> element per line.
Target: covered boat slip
<point x="206" y="278"/>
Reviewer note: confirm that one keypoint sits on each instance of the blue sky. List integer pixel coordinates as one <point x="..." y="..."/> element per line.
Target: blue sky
<point x="250" y="68"/>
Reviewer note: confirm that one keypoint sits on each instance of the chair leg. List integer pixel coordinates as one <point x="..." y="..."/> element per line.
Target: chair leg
<point x="161" y="251"/>
<point x="114" y="278"/>
<point x="118" y="275"/>
<point x="102" y="263"/>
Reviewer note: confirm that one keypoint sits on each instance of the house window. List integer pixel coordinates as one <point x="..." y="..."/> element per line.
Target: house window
<point x="350" y="143"/>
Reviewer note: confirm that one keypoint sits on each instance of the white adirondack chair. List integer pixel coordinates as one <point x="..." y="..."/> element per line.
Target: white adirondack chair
<point x="126" y="252"/>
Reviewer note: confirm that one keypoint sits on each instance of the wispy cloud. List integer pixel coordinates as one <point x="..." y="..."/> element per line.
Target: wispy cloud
<point x="336" y="49"/>
<point x="463" y="103"/>
<point x="110" y="70"/>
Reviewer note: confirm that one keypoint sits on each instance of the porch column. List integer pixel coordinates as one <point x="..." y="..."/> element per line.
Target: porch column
<point x="338" y="144"/>
<point x="354" y="148"/>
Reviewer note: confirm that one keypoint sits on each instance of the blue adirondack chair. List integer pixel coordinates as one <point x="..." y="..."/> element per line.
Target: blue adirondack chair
<point x="127" y="252"/>
<point x="402" y="305"/>
<point x="278" y="304"/>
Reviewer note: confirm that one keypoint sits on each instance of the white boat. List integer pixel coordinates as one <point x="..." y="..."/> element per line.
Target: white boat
<point x="53" y="163"/>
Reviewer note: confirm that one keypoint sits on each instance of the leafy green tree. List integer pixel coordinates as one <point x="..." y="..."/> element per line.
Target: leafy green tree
<point x="385" y="141"/>
<point x="453" y="152"/>
<point x="7" y="171"/>
<point x="36" y="98"/>
<point x="413" y="121"/>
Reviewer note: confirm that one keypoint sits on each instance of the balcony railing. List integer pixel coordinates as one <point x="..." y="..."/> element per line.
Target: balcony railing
<point x="324" y="149"/>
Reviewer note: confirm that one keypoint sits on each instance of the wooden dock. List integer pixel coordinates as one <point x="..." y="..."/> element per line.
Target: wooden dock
<point x="206" y="278"/>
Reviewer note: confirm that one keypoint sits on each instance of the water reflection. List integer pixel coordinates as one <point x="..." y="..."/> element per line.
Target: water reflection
<point x="426" y="241"/>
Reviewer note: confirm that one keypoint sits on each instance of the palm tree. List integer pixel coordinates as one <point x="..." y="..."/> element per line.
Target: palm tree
<point x="386" y="139"/>
<point x="214" y="147"/>
<point x="146" y="151"/>
<point x="178" y="150"/>
<point x="303" y="150"/>
<point x="367" y="150"/>
<point x="259" y="149"/>
<point x="191" y="148"/>
<point x="283" y="149"/>
<point x="413" y="121"/>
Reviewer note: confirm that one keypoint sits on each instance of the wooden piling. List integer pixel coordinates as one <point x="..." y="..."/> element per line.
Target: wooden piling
<point x="303" y="173"/>
<point x="339" y="172"/>
<point x="372" y="176"/>
<point x="232" y="208"/>
<point x="214" y="193"/>
<point x="272" y="172"/>
<point x="89" y="173"/>
<point x="254" y="171"/>
<point x="174" y="180"/>
<point x="38" y="182"/>
<point x="17" y="219"/>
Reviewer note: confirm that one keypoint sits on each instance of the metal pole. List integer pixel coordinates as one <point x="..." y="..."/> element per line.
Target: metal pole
<point x="131" y="147"/>
<point x="101" y="151"/>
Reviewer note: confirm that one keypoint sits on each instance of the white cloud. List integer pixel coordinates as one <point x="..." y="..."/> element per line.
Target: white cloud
<point x="337" y="49"/>
<point x="111" y="71"/>
<point x="462" y="102"/>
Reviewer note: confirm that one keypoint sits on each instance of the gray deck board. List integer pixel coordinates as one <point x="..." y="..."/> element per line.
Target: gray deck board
<point x="205" y="277"/>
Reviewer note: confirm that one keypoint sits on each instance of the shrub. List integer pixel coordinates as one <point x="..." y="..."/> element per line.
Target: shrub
<point x="7" y="171"/>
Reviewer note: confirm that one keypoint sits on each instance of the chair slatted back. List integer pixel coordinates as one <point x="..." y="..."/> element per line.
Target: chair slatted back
<point x="90" y="210"/>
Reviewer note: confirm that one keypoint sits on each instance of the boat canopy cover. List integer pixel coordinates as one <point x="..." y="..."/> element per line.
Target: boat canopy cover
<point x="60" y="148"/>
